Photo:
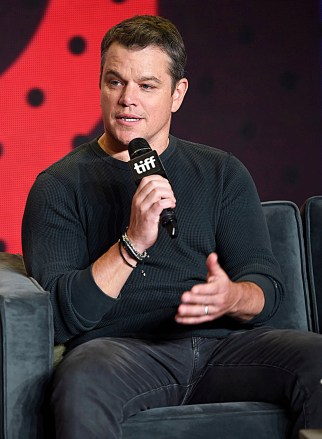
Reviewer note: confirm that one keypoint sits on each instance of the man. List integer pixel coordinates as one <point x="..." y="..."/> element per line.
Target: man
<point x="144" y="316"/>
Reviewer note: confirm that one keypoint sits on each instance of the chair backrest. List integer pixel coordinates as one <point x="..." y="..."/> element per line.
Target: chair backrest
<point x="311" y="213"/>
<point x="285" y="229"/>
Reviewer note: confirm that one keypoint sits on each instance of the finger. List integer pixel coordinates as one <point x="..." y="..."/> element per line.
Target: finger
<point x="153" y="181"/>
<point x="156" y="192"/>
<point x="162" y="189"/>
<point x="199" y="310"/>
<point x="193" y="320"/>
<point x="200" y="293"/>
<point x="213" y="267"/>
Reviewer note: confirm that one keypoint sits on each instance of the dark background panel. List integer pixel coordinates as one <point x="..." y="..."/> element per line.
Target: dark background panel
<point x="255" y="87"/>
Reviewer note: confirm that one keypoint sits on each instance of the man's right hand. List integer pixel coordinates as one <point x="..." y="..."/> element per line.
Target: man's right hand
<point x="153" y="194"/>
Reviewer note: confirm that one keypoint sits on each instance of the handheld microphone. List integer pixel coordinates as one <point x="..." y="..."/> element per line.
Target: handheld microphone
<point x="145" y="161"/>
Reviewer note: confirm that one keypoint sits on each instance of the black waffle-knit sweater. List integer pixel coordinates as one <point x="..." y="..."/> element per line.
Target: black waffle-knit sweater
<point x="79" y="207"/>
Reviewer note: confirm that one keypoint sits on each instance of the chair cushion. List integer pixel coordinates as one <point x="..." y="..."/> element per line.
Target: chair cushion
<point x="222" y="420"/>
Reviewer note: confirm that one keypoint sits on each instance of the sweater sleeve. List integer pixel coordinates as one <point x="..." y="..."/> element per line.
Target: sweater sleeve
<point x="242" y="239"/>
<point x="55" y="253"/>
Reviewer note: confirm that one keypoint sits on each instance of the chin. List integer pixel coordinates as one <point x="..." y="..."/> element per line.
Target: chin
<point x="124" y="137"/>
<point x="125" y="140"/>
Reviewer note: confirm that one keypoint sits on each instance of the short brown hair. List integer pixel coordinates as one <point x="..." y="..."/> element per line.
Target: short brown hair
<point x="149" y="30"/>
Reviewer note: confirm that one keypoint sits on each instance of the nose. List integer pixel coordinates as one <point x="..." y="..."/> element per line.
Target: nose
<point x="128" y="96"/>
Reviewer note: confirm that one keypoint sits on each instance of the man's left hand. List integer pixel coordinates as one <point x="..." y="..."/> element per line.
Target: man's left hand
<point x="219" y="296"/>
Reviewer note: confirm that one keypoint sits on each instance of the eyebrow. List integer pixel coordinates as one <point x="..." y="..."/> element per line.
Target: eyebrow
<point x="150" y="78"/>
<point x="142" y="78"/>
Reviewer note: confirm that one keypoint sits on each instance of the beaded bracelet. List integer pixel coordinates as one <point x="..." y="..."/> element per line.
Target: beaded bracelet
<point x="123" y="257"/>
<point x="127" y="244"/>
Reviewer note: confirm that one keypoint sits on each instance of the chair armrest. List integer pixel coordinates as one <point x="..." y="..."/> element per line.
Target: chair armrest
<point x="26" y="352"/>
<point x="310" y="434"/>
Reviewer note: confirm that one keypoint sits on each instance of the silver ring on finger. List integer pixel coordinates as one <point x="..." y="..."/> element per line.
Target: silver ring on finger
<point x="206" y="310"/>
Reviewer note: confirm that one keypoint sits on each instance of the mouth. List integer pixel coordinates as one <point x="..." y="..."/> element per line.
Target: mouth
<point x="128" y="118"/>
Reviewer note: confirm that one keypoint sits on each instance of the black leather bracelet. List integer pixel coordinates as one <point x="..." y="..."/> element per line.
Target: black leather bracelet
<point x="123" y="257"/>
<point x="127" y="244"/>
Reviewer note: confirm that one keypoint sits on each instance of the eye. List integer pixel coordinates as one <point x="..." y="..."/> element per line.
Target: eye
<point x="147" y="86"/>
<point x="115" y="82"/>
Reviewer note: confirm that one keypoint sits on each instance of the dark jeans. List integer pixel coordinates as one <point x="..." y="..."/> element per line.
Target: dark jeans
<point x="102" y="382"/>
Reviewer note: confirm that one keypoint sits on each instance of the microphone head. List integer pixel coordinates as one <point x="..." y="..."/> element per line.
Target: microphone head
<point x="138" y="147"/>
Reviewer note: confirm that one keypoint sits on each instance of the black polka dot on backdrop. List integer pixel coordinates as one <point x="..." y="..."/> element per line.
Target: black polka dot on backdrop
<point x="35" y="97"/>
<point x="26" y="16"/>
<point x="95" y="132"/>
<point x="77" y="45"/>
<point x="246" y="34"/>
<point x="4" y="7"/>
<point x="118" y="1"/>
<point x="206" y="85"/>
<point x="3" y="246"/>
<point x="79" y="139"/>
<point x="1" y="149"/>
<point x="291" y="175"/>
<point x="289" y="80"/>
<point x="248" y="130"/>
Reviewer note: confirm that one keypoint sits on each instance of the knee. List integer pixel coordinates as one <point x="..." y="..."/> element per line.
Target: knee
<point x="93" y="364"/>
<point x="307" y="356"/>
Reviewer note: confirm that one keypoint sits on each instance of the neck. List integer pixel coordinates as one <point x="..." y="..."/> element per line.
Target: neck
<point x="118" y="154"/>
<point x="123" y="154"/>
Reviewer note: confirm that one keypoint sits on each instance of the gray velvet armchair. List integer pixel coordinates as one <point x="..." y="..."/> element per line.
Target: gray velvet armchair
<point x="311" y="213"/>
<point x="27" y="354"/>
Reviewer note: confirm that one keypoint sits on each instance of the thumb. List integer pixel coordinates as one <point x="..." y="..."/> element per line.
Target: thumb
<point x="214" y="269"/>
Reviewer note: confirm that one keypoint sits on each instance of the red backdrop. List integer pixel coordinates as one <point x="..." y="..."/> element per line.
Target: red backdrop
<point x="50" y="96"/>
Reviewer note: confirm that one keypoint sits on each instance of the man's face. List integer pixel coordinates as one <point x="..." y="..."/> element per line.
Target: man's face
<point x="136" y="97"/>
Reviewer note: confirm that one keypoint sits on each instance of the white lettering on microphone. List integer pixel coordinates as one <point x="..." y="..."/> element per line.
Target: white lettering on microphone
<point x="144" y="165"/>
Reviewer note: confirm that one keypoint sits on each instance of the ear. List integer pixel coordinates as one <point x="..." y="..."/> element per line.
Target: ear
<point x="178" y="94"/>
